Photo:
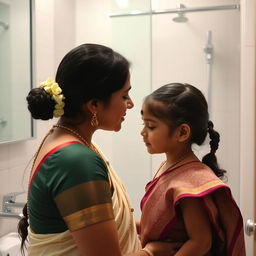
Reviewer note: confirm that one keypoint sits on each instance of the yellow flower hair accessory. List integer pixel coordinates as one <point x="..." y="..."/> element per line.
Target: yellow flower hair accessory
<point x="51" y="87"/>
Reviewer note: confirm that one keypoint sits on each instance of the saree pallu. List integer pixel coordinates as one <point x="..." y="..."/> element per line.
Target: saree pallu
<point x="162" y="219"/>
<point x="123" y="212"/>
<point x="63" y="243"/>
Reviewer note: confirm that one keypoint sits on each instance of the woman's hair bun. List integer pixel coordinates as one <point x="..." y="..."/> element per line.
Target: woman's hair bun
<point x="40" y="104"/>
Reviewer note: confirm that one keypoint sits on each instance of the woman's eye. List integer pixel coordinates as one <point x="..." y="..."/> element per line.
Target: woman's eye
<point x="126" y="97"/>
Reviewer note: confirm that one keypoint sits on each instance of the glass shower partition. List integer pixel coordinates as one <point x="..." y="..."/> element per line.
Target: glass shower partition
<point x="132" y="38"/>
<point x="195" y="43"/>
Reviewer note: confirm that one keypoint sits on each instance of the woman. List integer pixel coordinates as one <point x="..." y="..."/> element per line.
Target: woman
<point x="76" y="203"/>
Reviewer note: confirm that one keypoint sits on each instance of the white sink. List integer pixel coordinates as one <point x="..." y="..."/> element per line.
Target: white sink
<point x="10" y="245"/>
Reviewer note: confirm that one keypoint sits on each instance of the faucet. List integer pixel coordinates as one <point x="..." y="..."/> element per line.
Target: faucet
<point x="8" y="205"/>
<point x="9" y="202"/>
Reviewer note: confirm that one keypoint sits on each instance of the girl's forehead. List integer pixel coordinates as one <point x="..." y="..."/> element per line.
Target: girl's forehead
<point x="152" y="105"/>
<point x="147" y="115"/>
<point x="144" y="109"/>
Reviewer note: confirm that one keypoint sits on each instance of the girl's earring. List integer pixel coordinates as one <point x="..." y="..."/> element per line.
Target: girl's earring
<point x="94" y="121"/>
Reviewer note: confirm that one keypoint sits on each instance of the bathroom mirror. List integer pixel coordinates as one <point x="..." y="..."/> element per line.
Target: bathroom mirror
<point x="16" y="69"/>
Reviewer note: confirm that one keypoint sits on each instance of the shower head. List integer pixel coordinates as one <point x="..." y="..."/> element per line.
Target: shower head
<point x="4" y="25"/>
<point x="181" y="14"/>
<point x="180" y="18"/>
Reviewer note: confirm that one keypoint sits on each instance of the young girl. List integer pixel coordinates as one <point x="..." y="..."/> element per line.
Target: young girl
<point x="186" y="201"/>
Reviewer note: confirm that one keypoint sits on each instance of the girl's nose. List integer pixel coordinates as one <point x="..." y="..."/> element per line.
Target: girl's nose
<point x="142" y="132"/>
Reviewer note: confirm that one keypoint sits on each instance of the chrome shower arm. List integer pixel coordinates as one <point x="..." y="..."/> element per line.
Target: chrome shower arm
<point x="179" y="10"/>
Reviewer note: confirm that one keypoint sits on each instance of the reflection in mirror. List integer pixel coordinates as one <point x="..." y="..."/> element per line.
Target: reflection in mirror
<point x="15" y="69"/>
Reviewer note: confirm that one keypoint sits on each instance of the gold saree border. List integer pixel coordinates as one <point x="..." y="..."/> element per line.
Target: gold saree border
<point x="199" y="190"/>
<point x="83" y="196"/>
<point x="89" y="216"/>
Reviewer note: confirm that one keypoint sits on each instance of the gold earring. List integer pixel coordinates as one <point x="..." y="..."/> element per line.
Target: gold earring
<point x="94" y="121"/>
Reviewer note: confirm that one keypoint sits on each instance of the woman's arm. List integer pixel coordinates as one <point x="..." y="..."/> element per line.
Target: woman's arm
<point x="102" y="239"/>
<point x="198" y="228"/>
<point x="98" y="239"/>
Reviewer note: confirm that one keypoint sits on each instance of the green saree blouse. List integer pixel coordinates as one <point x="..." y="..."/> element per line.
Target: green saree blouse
<point x="70" y="189"/>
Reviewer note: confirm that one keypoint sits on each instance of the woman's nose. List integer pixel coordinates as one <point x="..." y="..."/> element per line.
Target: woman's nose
<point x="130" y="104"/>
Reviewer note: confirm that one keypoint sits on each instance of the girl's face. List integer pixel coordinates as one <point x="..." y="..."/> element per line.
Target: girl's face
<point x="112" y="116"/>
<point x="156" y="134"/>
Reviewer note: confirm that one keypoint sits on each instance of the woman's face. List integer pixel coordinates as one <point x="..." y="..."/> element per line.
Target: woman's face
<point x="112" y="115"/>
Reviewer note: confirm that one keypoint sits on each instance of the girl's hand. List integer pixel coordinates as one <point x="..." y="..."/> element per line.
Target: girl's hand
<point x="163" y="248"/>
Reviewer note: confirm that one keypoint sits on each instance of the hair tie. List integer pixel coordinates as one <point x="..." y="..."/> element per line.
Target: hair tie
<point x="51" y="87"/>
<point x="213" y="151"/>
<point x="210" y="125"/>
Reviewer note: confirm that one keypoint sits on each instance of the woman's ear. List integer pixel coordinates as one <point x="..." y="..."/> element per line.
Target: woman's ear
<point x="183" y="133"/>
<point x="91" y="106"/>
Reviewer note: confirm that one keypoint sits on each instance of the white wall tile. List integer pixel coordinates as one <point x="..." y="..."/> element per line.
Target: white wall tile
<point x="4" y="157"/>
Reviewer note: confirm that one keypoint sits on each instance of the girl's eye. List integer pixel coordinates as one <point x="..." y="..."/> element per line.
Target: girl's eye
<point x="151" y="127"/>
<point x="148" y="126"/>
<point x="126" y="97"/>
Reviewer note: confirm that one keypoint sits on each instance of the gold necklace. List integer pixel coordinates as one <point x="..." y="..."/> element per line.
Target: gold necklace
<point x="74" y="132"/>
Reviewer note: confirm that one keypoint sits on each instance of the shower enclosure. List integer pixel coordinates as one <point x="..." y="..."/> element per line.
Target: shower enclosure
<point x="192" y="42"/>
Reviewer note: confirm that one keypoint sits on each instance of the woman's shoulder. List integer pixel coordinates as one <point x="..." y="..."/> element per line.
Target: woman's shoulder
<point x="76" y="158"/>
<point x="74" y="164"/>
<point x="78" y="153"/>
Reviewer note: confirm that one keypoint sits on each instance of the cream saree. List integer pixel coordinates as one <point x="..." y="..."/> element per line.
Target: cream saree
<point x="63" y="243"/>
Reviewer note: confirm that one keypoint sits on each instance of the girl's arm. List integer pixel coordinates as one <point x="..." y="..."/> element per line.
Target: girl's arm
<point x="102" y="239"/>
<point x="198" y="228"/>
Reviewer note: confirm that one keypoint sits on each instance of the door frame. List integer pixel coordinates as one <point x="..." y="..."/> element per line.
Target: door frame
<point x="247" y="117"/>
